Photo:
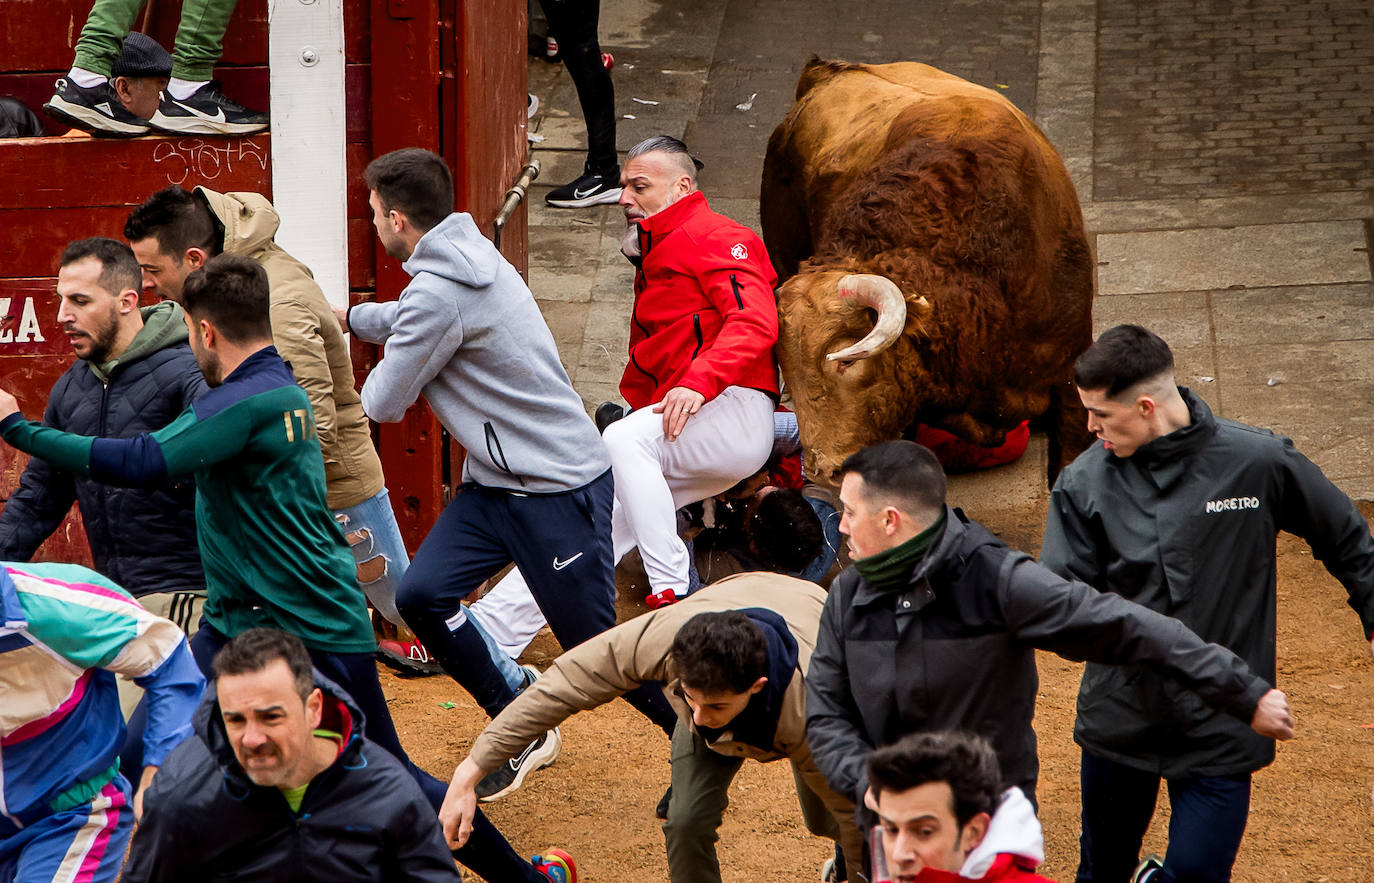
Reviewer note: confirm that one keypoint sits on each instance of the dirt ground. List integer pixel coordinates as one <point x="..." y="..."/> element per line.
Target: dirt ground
<point x="1310" y="817"/>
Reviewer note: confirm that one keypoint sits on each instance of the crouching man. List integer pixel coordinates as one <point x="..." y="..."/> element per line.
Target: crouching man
<point x="279" y="776"/>
<point x="944" y="816"/>
<point x="734" y="657"/>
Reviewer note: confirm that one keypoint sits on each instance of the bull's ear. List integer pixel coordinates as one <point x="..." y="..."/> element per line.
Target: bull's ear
<point x="919" y="308"/>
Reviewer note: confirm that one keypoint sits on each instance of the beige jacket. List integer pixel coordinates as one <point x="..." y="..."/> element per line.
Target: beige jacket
<point x="616" y="661"/>
<point x="308" y="337"/>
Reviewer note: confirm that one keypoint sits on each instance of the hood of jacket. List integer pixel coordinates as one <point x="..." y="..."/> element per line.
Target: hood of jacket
<point x="456" y="250"/>
<point x="249" y="220"/>
<point x="1014" y="830"/>
<point x="340" y="714"/>
<point x="163" y="326"/>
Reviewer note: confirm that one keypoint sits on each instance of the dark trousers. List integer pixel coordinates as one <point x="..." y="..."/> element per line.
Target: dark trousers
<point x="562" y="545"/>
<point x="486" y="852"/>
<point x="573" y="24"/>
<point x="1206" y="823"/>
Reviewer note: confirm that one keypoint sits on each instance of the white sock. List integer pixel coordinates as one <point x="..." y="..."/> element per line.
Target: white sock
<point x="181" y="89"/>
<point x="84" y="78"/>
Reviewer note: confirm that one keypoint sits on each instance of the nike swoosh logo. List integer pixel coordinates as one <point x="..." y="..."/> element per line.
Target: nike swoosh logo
<point x="559" y="565"/>
<point x="519" y="759"/>
<point x="217" y="118"/>
<point x="583" y="194"/>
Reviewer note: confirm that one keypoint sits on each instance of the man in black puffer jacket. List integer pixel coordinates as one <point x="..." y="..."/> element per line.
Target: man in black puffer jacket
<point x="134" y="373"/>
<point x="279" y="784"/>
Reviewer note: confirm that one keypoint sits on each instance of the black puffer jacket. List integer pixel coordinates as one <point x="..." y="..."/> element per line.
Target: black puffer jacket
<point x="955" y="649"/>
<point x="363" y="819"/>
<point x="142" y="538"/>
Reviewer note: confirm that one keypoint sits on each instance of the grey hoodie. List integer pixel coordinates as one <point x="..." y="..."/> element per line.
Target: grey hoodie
<point x="467" y="333"/>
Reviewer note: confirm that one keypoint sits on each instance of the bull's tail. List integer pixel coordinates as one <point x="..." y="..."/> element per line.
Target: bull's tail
<point x="818" y="70"/>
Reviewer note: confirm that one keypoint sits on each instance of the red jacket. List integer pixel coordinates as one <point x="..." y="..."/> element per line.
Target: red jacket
<point x="1006" y="868"/>
<point x="704" y="314"/>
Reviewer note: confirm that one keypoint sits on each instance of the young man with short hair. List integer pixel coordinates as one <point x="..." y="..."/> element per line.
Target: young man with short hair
<point x="174" y="232"/>
<point x="273" y="555"/>
<point x="734" y="657"/>
<point x="536" y="486"/>
<point x="1179" y="510"/>
<point x="134" y="373"/>
<point x="944" y="816"/>
<point x="279" y="774"/>
<point x="936" y="624"/>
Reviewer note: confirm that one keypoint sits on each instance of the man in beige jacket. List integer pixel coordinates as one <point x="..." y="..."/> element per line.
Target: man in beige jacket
<point x="173" y="233"/>
<point x="734" y="658"/>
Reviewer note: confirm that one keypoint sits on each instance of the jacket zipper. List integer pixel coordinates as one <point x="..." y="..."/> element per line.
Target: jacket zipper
<point x="696" y="328"/>
<point x="734" y="283"/>
<point x="497" y="455"/>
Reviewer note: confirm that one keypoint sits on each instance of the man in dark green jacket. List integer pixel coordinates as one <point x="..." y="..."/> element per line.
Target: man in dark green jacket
<point x="936" y="625"/>
<point x="1178" y="510"/>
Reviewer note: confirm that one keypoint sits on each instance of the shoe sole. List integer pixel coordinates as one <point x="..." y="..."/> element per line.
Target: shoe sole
<point x="89" y="120"/>
<point x="604" y="198"/>
<point x="541" y="759"/>
<point x="197" y="126"/>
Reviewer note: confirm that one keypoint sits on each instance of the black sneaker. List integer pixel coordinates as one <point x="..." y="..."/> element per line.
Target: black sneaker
<point x="511" y="775"/>
<point x="96" y="110"/>
<point x="206" y="112"/>
<point x="591" y="188"/>
<point x="607" y="413"/>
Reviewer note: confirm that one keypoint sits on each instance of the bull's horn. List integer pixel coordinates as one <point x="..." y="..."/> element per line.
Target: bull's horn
<point x="883" y="295"/>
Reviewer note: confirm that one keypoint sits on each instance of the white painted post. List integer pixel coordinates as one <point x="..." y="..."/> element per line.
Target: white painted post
<point x="309" y="174"/>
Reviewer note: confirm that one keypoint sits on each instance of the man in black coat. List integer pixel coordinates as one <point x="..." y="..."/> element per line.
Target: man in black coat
<point x="134" y="373"/>
<point x="936" y="624"/>
<point x="279" y="784"/>
<point x="1179" y="510"/>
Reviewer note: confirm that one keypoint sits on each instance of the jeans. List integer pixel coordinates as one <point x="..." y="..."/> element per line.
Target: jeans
<point x="199" y="40"/>
<point x="486" y="851"/>
<point x="830" y="550"/>
<point x="1206" y="823"/>
<point x="375" y="540"/>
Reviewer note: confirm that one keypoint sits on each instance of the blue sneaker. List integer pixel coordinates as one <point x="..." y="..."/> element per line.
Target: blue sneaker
<point x="556" y="865"/>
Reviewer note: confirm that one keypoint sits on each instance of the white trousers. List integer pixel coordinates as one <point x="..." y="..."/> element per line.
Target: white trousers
<point x="729" y="439"/>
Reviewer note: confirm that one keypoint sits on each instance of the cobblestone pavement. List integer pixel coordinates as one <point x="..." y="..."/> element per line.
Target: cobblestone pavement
<point x="1217" y="98"/>
<point x="1223" y="152"/>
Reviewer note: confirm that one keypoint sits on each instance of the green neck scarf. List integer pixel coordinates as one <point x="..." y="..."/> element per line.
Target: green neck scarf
<point x="891" y="569"/>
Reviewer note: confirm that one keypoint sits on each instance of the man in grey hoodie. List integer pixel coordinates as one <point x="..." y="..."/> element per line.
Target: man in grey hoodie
<point x="537" y="486"/>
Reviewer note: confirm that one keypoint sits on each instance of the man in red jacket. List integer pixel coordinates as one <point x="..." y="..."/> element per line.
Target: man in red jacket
<point x="702" y="382"/>
<point x="943" y="816"/>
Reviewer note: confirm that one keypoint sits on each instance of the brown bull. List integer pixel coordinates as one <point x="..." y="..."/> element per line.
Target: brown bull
<point x="939" y="269"/>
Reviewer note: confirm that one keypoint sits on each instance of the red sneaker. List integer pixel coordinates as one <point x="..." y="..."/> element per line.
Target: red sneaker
<point x="607" y="60"/>
<point x="656" y="600"/>
<point x="410" y="657"/>
<point x="557" y="865"/>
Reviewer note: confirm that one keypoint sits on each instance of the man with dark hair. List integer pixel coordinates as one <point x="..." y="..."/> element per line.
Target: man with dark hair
<point x="134" y="373"/>
<point x="536" y="489"/>
<point x="190" y="102"/>
<point x="173" y="232"/>
<point x="272" y="731"/>
<point x="735" y="656"/>
<point x="935" y="625"/>
<point x="943" y="815"/>
<point x="273" y="555"/>
<point x="1179" y="510"/>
